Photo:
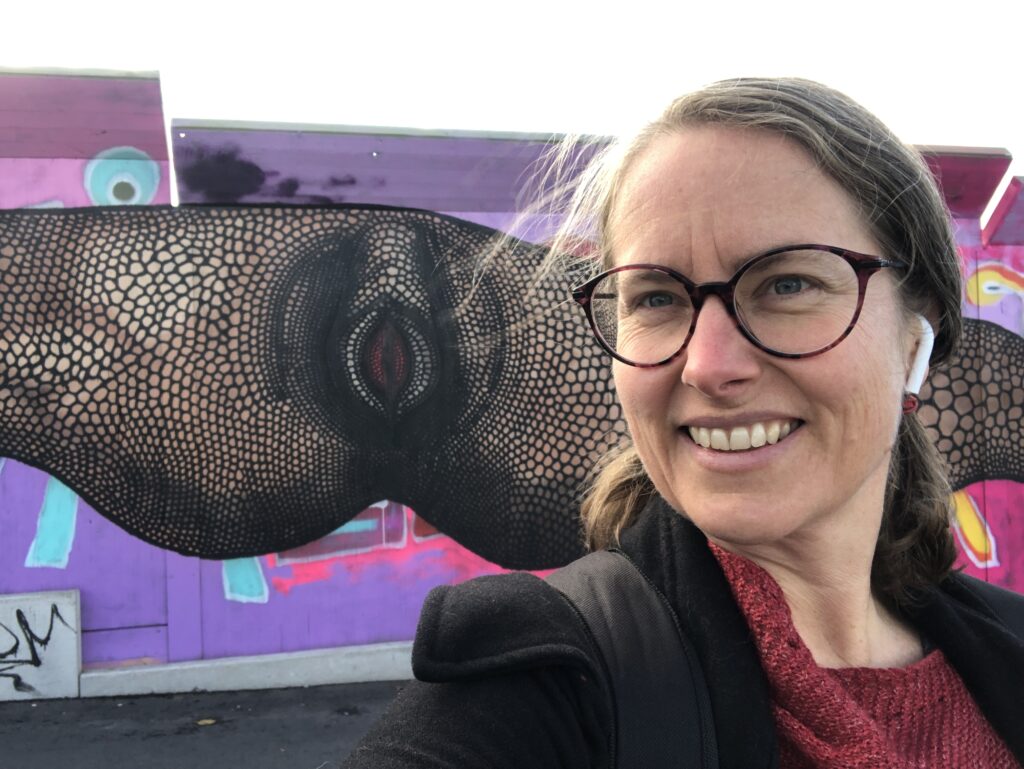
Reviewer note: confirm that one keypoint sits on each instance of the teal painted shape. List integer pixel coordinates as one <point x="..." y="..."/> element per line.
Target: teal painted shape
<point x="353" y="527"/>
<point x="122" y="176"/>
<point x="55" y="527"/>
<point x="244" y="581"/>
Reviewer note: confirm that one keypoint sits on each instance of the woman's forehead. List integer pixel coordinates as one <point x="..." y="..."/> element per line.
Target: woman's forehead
<point x="726" y="194"/>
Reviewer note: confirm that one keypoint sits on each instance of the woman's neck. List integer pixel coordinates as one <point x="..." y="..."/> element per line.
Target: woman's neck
<point x="827" y="586"/>
<point x="845" y="625"/>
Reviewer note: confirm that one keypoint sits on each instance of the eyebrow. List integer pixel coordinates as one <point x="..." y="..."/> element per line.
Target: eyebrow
<point x="761" y="267"/>
<point x="646" y="275"/>
<point x="649" y="275"/>
<point x="782" y="249"/>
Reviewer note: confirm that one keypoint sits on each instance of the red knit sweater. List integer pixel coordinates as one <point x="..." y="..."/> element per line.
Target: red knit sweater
<point x="918" y="716"/>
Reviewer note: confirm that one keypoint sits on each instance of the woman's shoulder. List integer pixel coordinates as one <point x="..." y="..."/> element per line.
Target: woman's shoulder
<point x="497" y="624"/>
<point x="1004" y="605"/>
<point x="505" y="680"/>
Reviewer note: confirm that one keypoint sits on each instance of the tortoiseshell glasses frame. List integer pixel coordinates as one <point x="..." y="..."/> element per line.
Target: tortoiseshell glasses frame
<point x="863" y="265"/>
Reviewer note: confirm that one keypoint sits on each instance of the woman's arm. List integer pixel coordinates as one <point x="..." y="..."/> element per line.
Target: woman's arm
<point x="548" y="718"/>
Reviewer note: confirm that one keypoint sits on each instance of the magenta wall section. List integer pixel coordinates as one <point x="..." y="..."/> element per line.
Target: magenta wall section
<point x="989" y="516"/>
<point x="989" y="521"/>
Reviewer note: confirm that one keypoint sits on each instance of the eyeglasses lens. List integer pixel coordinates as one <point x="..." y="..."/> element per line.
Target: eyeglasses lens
<point x="795" y="302"/>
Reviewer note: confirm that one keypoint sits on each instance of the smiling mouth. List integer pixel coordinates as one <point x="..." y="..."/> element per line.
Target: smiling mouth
<point x="743" y="438"/>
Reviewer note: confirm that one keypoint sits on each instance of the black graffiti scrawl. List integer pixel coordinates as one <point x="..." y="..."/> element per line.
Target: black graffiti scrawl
<point x="20" y="645"/>
<point x="233" y="381"/>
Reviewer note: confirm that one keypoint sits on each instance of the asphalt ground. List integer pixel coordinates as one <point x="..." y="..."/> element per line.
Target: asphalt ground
<point x="307" y="728"/>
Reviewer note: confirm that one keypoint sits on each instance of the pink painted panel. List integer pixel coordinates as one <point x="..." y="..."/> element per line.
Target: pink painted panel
<point x="63" y="183"/>
<point x="967" y="176"/>
<point x="1006" y="227"/>
<point x="69" y="116"/>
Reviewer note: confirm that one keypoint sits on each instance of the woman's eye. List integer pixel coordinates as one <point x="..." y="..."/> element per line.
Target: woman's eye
<point x="656" y="301"/>
<point x="790" y="284"/>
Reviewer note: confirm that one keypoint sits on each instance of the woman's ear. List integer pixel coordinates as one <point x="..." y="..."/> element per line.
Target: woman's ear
<point x="919" y="368"/>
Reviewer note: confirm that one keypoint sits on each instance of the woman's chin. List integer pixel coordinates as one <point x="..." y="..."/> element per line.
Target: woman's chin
<point x="742" y="526"/>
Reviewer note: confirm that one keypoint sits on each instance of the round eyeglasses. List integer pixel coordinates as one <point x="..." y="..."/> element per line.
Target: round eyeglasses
<point x="793" y="302"/>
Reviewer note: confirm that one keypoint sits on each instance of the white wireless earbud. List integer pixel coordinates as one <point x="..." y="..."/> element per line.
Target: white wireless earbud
<point x="924" y="351"/>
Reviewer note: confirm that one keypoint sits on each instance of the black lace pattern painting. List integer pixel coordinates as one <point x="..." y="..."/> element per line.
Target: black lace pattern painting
<point x="233" y="381"/>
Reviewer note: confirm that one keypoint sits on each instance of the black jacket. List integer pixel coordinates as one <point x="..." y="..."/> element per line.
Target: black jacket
<point x="509" y="678"/>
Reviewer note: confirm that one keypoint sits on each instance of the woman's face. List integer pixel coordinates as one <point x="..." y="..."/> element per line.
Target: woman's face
<point x="703" y="201"/>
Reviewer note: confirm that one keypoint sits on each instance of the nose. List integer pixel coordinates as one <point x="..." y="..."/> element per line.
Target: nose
<point x="719" y="361"/>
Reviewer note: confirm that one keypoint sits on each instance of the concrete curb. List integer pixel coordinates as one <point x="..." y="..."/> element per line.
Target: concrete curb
<point x="344" y="665"/>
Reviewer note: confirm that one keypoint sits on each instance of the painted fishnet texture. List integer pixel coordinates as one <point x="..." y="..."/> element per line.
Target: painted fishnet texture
<point x="233" y="381"/>
<point x="974" y="408"/>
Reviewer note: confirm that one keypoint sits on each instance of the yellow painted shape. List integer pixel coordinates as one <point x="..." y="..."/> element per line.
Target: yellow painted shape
<point x="973" y="528"/>
<point x="990" y="283"/>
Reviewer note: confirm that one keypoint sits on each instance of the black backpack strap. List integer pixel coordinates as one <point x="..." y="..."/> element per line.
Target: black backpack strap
<point x="661" y="703"/>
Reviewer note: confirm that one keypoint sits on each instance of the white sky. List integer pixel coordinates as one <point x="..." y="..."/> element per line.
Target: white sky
<point x="937" y="72"/>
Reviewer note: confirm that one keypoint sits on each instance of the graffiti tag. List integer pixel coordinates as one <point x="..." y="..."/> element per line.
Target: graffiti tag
<point x="11" y="662"/>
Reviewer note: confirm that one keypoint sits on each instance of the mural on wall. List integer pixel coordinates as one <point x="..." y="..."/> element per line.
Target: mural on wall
<point x="990" y="283"/>
<point x="987" y="505"/>
<point x="227" y="382"/>
<point x="386" y="532"/>
<point x="396" y="350"/>
<point x="987" y="520"/>
<point x="372" y="357"/>
<point x="69" y="141"/>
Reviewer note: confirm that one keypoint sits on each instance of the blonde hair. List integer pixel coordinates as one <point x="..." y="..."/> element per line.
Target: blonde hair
<point x="898" y="198"/>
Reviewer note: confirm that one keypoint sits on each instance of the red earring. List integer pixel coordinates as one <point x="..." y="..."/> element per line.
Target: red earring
<point x="910" y="403"/>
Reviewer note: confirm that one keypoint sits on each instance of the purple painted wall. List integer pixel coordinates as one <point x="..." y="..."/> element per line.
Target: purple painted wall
<point x="483" y="179"/>
<point x="365" y="582"/>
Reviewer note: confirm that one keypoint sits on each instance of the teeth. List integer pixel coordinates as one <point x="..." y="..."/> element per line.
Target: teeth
<point x="739" y="439"/>
<point x="758" y="436"/>
<point x="701" y="435"/>
<point x="743" y="438"/>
